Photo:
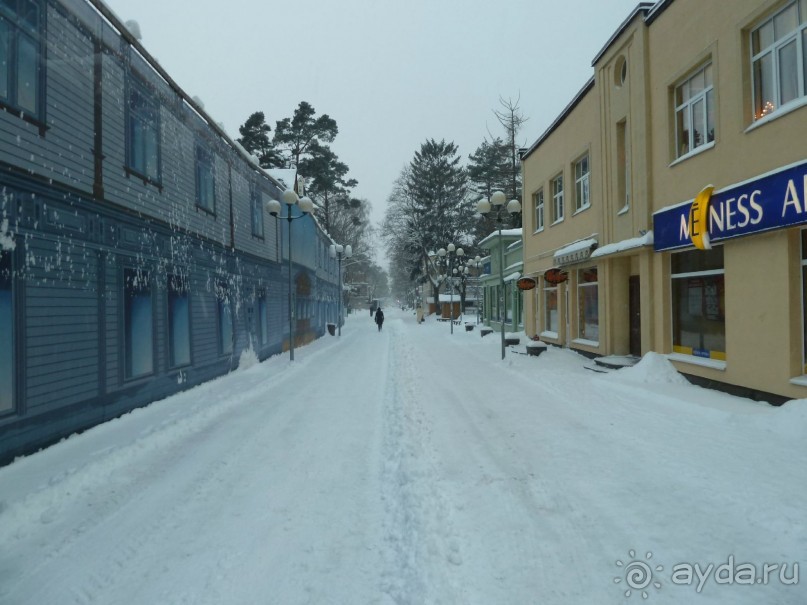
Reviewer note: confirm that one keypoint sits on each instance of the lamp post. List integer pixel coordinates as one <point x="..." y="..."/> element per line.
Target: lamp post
<point x="443" y="253"/>
<point x="497" y="201"/>
<point x="476" y="263"/>
<point x="290" y="198"/>
<point x="336" y="251"/>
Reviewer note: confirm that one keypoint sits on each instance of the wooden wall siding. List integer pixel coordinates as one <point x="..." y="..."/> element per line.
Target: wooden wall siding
<point x="61" y="335"/>
<point x="73" y="247"/>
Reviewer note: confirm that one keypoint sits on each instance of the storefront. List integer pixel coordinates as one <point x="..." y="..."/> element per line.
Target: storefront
<point x="735" y="267"/>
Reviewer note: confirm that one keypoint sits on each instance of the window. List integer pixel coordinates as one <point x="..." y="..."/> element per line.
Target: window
<point x="257" y="214"/>
<point x="144" y="133"/>
<point x="263" y="320"/>
<point x="588" y="318"/>
<point x="137" y="324"/>
<point x="205" y="180"/>
<point x="621" y="72"/>
<point x="179" y="323"/>
<point x="804" y="293"/>
<point x="7" y="330"/>
<point x="538" y="202"/>
<point x="582" y="199"/>
<point x="551" y="318"/>
<point x="557" y="198"/>
<point x="225" y="320"/>
<point x="20" y="71"/>
<point x="698" y="289"/>
<point x="694" y="112"/>
<point x="623" y="165"/>
<point x="778" y="47"/>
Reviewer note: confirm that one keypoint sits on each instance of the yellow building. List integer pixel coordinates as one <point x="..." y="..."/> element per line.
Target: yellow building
<point x="685" y="94"/>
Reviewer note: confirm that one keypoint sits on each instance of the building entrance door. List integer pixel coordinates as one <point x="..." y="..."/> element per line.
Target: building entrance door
<point x="635" y="320"/>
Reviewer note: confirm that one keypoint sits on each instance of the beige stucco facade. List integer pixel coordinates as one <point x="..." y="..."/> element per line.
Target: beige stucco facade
<point x="647" y="79"/>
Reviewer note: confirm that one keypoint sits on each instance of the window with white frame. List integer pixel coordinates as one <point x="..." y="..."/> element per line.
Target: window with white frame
<point x="557" y="198"/>
<point x="138" y="322"/>
<point x="699" y="302"/>
<point x="588" y="317"/>
<point x="7" y="340"/>
<point x="582" y="199"/>
<point x="551" y="317"/>
<point x="694" y="111"/>
<point x="20" y="60"/>
<point x="538" y="203"/>
<point x="779" y="59"/>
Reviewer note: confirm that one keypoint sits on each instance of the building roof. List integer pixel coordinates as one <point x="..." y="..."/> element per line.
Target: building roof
<point x="643" y="8"/>
<point x="506" y="233"/>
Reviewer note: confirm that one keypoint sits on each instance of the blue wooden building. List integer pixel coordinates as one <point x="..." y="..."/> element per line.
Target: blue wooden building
<point x="137" y="257"/>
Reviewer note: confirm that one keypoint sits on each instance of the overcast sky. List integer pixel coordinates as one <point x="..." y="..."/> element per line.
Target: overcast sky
<point x="392" y="73"/>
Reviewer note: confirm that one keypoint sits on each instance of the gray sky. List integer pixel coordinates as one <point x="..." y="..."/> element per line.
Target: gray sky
<point x="391" y="73"/>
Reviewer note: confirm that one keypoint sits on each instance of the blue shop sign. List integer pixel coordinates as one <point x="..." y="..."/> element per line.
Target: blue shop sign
<point x="772" y="201"/>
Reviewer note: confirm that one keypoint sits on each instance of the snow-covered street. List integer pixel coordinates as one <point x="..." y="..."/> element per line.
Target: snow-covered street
<point x="410" y="467"/>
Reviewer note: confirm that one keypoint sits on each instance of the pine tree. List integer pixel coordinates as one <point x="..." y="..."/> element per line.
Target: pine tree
<point x="326" y="177"/>
<point x="301" y="134"/>
<point x="255" y="139"/>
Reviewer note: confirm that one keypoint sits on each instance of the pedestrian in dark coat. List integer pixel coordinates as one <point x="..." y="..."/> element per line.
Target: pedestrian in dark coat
<point x="379" y="318"/>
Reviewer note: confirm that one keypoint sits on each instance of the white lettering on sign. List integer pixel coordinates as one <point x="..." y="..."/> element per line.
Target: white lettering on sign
<point x="792" y="197"/>
<point x="684" y="233"/>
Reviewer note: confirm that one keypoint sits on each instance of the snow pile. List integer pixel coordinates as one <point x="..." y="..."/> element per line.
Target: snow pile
<point x="248" y="359"/>
<point x="6" y="236"/>
<point x="789" y="420"/>
<point x="652" y="369"/>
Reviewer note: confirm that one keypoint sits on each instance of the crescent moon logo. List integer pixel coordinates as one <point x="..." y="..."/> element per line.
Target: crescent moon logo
<point x="699" y="219"/>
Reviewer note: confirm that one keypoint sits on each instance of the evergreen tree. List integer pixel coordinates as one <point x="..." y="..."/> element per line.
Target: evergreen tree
<point x="326" y="177"/>
<point x="255" y="139"/>
<point x="488" y="171"/>
<point x="303" y="133"/>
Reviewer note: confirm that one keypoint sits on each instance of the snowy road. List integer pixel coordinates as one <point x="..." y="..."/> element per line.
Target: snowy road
<point x="411" y="466"/>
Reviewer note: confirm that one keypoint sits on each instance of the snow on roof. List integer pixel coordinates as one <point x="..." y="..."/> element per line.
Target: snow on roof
<point x="512" y="277"/>
<point x="285" y="176"/>
<point x="576" y="247"/>
<point x="505" y="233"/>
<point x="444" y="298"/>
<point x="627" y="244"/>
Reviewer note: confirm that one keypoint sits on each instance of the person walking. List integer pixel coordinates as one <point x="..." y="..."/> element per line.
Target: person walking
<point x="379" y="318"/>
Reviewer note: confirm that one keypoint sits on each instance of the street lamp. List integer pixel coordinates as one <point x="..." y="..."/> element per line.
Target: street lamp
<point x="476" y="263"/>
<point x="497" y="201"/>
<point x="443" y="253"/>
<point x="290" y="198"/>
<point x="336" y="251"/>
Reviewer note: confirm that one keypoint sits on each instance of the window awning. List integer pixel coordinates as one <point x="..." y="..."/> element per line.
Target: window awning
<point x="575" y="252"/>
<point x="512" y="277"/>
<point x="627" y="244"/>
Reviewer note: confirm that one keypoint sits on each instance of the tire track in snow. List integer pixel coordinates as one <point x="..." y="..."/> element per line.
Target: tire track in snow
<point x="422" y="548"/>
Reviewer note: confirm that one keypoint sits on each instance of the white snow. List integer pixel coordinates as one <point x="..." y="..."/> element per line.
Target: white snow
<point x="575" y="247"/>
<point x="413" y="466"/>
<point x="621" y="246"/>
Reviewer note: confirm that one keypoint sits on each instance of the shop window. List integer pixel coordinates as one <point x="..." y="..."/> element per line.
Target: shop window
<point x="538" y="203"/>
<point x="7" y="331"/>
<point x="143" y="133"/>
<point x="698" y="290"/>
<point x="694" y="112"/>
<point x="225" y="321"/>
<point x="257" y="214"/>
<point x="263" y="319"/>
<point x="137" y="324"/>
<point x="179" y="322"/>
<point x="778" y="53"/>
<point x="20" y="60"/>
<point x="205" y="180"/>
<point x="804" y="293"/>
<point x="557" y="198"/>
<point x="582" y="197"/>
<point x="551" y="317"/>
<point x="588" y="318"/>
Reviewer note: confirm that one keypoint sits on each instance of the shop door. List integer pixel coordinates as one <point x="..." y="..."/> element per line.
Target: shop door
<point x="634" y="308"/>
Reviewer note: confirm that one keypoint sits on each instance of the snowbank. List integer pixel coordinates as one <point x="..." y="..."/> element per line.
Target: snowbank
<point x="652" y="369"/>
